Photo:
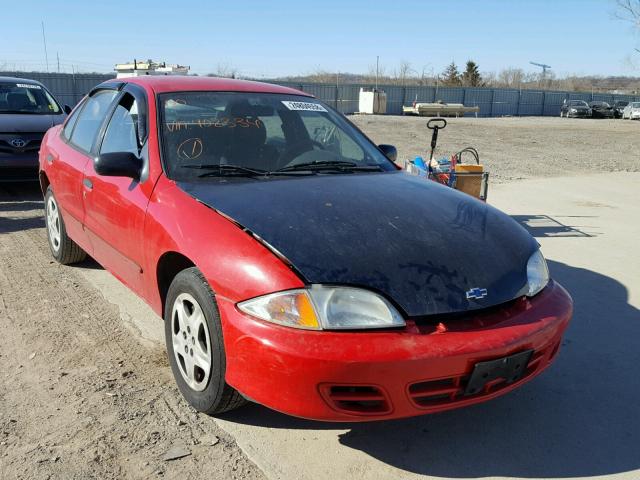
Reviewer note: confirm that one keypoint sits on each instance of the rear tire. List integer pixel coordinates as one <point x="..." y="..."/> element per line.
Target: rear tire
<point x="193" y="336"/>
<point x="63" y="249"/>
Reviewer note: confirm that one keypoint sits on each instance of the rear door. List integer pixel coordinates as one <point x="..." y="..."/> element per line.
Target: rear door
<point x="115" y="206"/>
<point x="72" y="155"/>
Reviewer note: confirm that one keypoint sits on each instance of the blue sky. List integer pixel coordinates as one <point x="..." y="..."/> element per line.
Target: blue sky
<point x="272" y="38"/>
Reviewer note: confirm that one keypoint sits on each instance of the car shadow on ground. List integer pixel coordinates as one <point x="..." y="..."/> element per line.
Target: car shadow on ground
<point x="17" y="224"/>
<point x="556" y="226"/>
<point x="580" y="418"/>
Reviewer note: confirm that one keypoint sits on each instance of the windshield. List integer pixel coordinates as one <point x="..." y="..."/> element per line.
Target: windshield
<point x="26" y="98"/>
<point x="259" y="133"/>
<point x="635" y="105"/>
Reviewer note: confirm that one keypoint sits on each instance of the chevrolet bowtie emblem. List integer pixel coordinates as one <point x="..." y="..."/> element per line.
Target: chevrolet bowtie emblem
<point x="476" y="293"/>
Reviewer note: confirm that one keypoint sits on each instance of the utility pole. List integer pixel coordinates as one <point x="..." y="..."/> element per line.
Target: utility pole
<point x="44" y="40"/>
<point x="377" y="68"/>
<point x="58" y="59"/>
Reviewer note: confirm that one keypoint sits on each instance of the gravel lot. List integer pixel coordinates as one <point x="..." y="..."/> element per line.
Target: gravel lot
<point x="82" y="396"/>
<point x="515" y="148"/>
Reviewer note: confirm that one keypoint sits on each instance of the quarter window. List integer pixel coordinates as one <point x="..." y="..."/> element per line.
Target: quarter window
<point x="90" y="119"/>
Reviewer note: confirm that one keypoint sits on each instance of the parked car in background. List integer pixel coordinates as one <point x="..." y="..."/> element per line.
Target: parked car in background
<point x="27" y="111"/>
<point x="601" y="110"/>
<point x="631" y="111"/>
<point x="294" y="263"/>
<point x="575" y="109"/>
<point x="618" y="107"/>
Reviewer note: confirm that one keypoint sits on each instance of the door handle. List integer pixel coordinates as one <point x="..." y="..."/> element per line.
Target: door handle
<point x="87" y="183"/>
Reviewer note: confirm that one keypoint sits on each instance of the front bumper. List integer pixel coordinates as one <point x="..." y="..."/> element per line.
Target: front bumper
<point x="18" y="167"/>
<point x="579" y="114"/>
<point x="359" y="376"/>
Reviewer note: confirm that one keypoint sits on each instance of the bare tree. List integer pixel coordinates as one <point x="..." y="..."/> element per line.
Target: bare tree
<point x="629" y="10"/>
<point x="225" y="69"/>
<point x="511" y="77"/>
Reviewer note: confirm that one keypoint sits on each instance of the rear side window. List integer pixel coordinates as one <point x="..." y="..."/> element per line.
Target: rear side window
<point x="68" y="127"/>
<point x="90" y="119"/>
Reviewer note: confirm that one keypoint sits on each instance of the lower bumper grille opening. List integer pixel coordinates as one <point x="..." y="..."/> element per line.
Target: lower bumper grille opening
<point x="451" y="390"/>
<point x="356" y="399"/>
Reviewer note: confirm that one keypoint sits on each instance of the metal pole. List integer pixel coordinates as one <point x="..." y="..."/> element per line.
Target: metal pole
<point x="44" y="40"/>
<point x="58" y="58"/>
<point x="337" y="89"/>
<point x="377" y="67"/>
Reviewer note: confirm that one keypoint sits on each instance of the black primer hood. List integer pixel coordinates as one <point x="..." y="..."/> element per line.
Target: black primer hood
<point x="422" y="245"/>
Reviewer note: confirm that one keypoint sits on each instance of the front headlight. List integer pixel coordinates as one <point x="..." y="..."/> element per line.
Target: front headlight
<point x="320" y="307"/>
<point x="537" y="273"/>
<point x="573" y="110"/>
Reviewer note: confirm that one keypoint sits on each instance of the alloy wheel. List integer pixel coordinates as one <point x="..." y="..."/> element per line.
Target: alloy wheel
<point x="191" y="342"/>
<point x="53" y="223"/>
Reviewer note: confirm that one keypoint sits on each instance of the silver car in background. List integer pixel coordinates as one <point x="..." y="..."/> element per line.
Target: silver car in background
<point x="631" y="111"/>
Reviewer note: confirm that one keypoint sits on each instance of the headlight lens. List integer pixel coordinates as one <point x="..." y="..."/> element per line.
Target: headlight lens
<point x="320" y="307"/>
<point x="573" y="110"/>
<point x="537" y="273"/>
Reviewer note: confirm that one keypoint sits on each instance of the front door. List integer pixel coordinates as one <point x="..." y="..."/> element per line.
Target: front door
<point x="115" y="206"/>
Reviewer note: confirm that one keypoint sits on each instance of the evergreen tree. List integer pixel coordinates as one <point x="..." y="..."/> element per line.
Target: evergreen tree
<point x="451" y="75"/>
<point x="471" y="76"/>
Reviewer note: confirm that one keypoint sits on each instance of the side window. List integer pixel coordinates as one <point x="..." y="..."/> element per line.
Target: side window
<point x="121" y="134"/>
<point x="71" y="121"/>
<point x="90" y="119"/>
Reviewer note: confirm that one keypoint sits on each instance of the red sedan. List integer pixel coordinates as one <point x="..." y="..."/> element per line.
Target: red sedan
<point x="293" y="263"/>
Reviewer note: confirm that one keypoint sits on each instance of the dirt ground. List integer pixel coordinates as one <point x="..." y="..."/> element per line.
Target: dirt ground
<point x="518" y="147"/>
<point x="82" y="396"/>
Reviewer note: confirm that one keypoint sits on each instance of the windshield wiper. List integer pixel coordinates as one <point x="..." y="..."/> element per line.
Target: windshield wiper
<point x="224" y="169"/>
<point x="237" y="170"/>
<point x="341" y="165"/>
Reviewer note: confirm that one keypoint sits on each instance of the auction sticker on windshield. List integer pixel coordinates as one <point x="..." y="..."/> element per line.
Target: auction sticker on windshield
<point x="304" y="106"/>
<point x="27" y="85"/>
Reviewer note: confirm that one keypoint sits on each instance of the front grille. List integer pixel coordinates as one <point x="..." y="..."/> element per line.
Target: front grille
<point x="31" y="141"/>
<point x="449" y="391"/>
<point x="356" y="399"/>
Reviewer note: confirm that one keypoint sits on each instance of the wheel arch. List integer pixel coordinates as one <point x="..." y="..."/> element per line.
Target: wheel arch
<point x="169" y="265"/>
<point x="44" y="181"/>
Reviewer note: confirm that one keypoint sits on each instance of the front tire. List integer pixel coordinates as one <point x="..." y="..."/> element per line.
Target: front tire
<point x="63" y="249"/>
<point x="193" y="336"/>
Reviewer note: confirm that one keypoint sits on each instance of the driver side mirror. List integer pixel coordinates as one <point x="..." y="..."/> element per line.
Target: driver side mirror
<point x="118" y="164"/>
<point x="390" y="151"/>
<point x="67" y="109"/>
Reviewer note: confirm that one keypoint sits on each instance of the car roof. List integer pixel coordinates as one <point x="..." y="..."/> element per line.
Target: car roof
<point x="184" y="83"/>
<point x="20" y="80"/>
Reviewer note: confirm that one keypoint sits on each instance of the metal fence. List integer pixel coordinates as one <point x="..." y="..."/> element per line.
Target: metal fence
<point x="493" y="102"/>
